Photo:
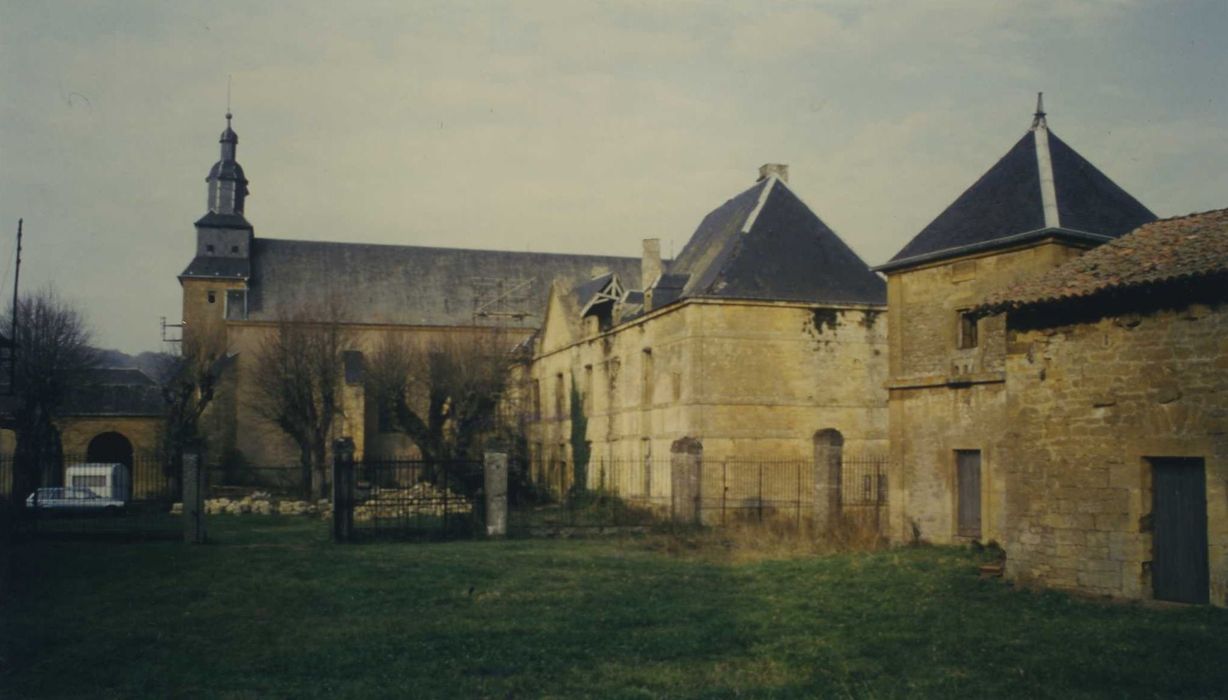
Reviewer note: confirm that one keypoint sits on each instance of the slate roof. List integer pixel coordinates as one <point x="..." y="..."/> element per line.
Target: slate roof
<point x="226" y="268"/>
<point x="409" y="285"/>
<point x="1190" y="247"/>
<point x="116" y="392"/>
<point x="215" y="220"/>
<point x="765" y="243"/>
<point x="1005" y="206"/>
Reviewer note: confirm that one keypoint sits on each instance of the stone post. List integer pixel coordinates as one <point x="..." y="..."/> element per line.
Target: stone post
<point x="193" y="496"/>
<point x="685" y="464"/>
<point x="828" y="455"/>
<point x="495" y="469"/>
<point x="343" y="489"/>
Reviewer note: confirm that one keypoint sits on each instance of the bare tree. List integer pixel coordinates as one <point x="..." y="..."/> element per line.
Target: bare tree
<point x="444" y="394"/>
<point x="52" y="358"/>
<point x="298" y="381"/>
<point x="189" y="380"/>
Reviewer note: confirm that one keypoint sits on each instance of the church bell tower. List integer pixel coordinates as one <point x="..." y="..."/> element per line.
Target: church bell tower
<point x="215" y="282"/>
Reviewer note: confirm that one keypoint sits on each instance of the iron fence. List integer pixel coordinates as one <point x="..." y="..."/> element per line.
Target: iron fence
<point x="69" y="495"/>
<point x="635" y="492"/>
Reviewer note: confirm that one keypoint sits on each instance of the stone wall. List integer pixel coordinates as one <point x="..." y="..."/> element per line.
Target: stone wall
<point x="748" y="380"/>
<point x="236" y="427"/>
<point x="945" y="398"/>
<point x="1088" y="404"/>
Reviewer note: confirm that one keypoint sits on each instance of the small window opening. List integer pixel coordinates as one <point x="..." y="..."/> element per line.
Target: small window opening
<point x="967" y="330"/>
<point x="234" y="248"/>
<point x="212" y="297"/>
<point x="209" y="248"/>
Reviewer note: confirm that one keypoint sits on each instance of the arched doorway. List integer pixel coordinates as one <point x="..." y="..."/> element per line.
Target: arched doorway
<point x="110" y="447"/>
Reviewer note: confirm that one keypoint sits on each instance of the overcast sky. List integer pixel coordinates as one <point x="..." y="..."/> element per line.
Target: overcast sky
<point x="563" y="126"/>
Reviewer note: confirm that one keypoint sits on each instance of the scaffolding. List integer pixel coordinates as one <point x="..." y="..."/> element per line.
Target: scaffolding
<point x="501" y="301"/>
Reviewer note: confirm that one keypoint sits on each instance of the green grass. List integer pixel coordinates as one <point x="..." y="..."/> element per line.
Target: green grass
<point x="273" y="609"/>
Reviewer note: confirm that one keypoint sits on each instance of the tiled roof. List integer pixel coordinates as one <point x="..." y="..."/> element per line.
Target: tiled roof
<point x="765" y="243"/>
<point x="1184" y="247"/>
<point x="1007" y="204"/>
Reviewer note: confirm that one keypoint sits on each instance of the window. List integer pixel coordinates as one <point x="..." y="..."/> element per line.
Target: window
<point x="967" y="330"/>
<point x="352" y="362"/>
<point x="646" y="380"/>
<point x="586" y="399"/>
<point x="234" y="248"/>
<point x="212" y="297"/>
<point x="236" y="304"/>
<point x="209" y="248"/>
<point x="558" y="396"/>
<point x="386" y="416"/>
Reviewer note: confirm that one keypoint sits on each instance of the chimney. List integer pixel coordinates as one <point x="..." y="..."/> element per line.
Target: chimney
<point x="650" y="267"/>
<point x="780" y="170"/>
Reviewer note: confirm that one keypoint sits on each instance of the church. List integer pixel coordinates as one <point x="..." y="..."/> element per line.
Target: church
<point x="238" y="286"/>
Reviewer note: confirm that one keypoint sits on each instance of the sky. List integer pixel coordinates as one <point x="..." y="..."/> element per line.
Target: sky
<point x="568" y="126"/>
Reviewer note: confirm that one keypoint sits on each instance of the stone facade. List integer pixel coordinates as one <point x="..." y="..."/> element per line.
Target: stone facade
<point x="237" y="429"/>
<point x="1089" y="405"/>
<point x="747" y="380"/>
<point x="945" y="398"/>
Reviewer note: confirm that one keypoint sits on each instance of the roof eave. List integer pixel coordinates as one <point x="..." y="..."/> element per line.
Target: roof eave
<point x="983" y="246"/>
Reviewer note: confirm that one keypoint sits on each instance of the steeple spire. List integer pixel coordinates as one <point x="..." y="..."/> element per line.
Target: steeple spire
<point x="227" y="183"/>
<point x="1038" y="119"/>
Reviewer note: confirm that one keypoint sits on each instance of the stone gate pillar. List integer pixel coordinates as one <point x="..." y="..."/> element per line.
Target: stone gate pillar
<point x="495" y="467"/>
<point x="193" y="496"/>
<point x="828" y="456"/>
<point x="686" y="467"/>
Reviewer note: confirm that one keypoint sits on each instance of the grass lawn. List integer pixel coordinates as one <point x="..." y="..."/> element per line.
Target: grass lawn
<point x="272" y="609"/>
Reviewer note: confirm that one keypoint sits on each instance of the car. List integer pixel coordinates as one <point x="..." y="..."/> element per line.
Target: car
<point x="72" y="499"/>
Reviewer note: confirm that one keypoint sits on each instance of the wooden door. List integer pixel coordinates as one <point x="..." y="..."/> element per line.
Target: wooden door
<point x="968" y="492"/>
<point x="1179" y="539"/>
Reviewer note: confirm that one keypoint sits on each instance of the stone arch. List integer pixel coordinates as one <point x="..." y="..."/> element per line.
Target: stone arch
<point x="110" y="447"/>
<point x="829" y="437"/>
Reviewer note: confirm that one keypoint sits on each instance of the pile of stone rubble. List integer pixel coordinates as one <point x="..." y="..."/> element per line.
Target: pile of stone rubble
<point x="262" y="503"/>
<point x="419" y="500"/>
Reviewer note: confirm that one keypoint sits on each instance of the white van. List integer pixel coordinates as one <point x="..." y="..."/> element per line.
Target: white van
<point x="109" y="481"/>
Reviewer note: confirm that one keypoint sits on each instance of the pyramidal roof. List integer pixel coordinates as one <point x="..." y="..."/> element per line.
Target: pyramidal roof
<point x="765" y="243"/>
<point x="1040" y="188"/>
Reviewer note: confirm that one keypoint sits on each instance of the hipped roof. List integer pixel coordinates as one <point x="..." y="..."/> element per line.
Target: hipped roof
<point x="1006" y="205"/>
<point x="765" y="243"/>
